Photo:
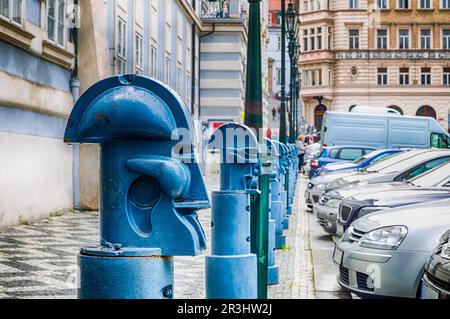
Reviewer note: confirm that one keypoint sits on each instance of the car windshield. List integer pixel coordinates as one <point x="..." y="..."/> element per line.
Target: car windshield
<point x="390" y="161"/>
<point x="406" y="164"/>
<point x="432" y="178"/>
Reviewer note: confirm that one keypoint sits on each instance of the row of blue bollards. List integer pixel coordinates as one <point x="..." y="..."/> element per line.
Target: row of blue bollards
<point x="231" y="269"/>
<point x="151" y="189"/>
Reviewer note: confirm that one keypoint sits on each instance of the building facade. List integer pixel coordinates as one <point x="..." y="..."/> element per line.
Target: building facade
<point x="274" y="66"/>
<point x="36" y="65"/>
<point x="381" y="53"/>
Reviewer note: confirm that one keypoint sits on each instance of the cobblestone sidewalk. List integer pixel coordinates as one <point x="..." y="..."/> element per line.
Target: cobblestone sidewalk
<point x="39" y="260"/>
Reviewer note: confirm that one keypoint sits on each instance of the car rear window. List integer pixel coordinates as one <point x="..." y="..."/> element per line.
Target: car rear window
<point x="391" y="160"/>
<point x="350" y="154"/>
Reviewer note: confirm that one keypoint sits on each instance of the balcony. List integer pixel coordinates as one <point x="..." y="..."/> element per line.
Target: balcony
<point x="221" y="10"/>
<point x="322" y="16"/>
<point x="392" y="54"/>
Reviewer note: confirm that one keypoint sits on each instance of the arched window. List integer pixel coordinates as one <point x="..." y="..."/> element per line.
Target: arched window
<point x="394" y="107"/>
<point x="351" y="108"/>
<point x="319" y="112"/>
<point x="426" y="111"/>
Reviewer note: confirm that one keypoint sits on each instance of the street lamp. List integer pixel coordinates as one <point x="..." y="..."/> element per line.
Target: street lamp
<point x="291" y="20"/>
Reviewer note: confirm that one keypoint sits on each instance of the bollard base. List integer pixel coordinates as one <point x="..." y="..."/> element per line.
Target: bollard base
<point x="289" y="210"/>
<point x="286" y="223"/>
<point x="273" y="275"/>
<point x="231" y="277"/>
<point x="114" y="277"/>
<point x="280" y="242"/>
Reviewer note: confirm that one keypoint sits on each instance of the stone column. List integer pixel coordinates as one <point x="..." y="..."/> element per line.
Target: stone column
<point x="93" y="65"/>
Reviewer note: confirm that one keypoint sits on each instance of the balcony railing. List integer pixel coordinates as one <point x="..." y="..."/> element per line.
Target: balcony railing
<point x="224" y="9"/>
<point x="392" y="54"/>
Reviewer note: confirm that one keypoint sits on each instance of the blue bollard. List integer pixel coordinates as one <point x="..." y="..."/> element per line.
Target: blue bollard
<point x="150" y="188"/>
<point x="273" y="273"/>
<point x="279" y="198"/>
<point x="231" y="269"/>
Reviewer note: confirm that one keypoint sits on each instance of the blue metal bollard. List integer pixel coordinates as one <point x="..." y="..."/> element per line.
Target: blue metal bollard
<point x="273" y="274"/>
<point x="150" y="188"/>
<point x="231" y="269"/>
<point x="279" y="198"/>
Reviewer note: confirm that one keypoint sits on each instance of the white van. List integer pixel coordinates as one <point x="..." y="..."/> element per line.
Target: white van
<point x="383" y="131"/>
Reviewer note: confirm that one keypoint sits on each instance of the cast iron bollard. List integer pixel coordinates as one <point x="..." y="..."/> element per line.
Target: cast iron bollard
<point x="279" y="210"/>
<point x="150" y="188"/>
<point x="273" y="274"/>
<point x="231" y="269"/>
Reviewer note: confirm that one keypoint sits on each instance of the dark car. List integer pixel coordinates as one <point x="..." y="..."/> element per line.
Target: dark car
<point x="436" y="280"/>
<point x="366" y="203"/>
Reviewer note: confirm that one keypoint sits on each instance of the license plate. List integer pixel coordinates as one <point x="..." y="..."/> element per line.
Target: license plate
<point x="338" y="255"/>
<point x="428" y="292"/>
<point x="340" y="229"/>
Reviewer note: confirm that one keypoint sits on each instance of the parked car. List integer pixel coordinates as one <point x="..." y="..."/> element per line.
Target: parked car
<point x="311" y="151"/>
<point x="398" y="172"/>
<point x="321" y="184"/>
<point x="335" y="204"/>
<point x="383" y="131"/>
<point x="384" y="254"/>
<point x="360" y="163"/>
<point x="337" y="154"/>
<point x="436" y="280"/>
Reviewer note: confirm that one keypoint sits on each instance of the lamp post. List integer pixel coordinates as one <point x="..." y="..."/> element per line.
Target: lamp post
<point x="291" y="21"/>
<point x="283" y="124"/>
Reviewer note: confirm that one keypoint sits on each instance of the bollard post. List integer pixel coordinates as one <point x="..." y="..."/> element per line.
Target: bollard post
<point x="279" y="198"/>
<point x="231" y="269"/>
<point x="273" y="272"/>
<point x="150" y="187"/>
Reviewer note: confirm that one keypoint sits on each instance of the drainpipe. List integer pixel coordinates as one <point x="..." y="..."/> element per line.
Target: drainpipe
<point x="75" y="91"/>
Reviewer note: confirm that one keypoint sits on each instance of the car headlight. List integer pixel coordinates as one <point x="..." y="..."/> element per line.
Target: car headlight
<point x="369" y="210"/>
<point x="446" y="251"/>
<point x="321" y="187"/>
<point x="333" y="203"/>
<point x="387" y="238"/>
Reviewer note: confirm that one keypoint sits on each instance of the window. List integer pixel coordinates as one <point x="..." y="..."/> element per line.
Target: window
<point x="278" y="76"/>
<point x="139" y="54"/>
<point x="404" y="76"/>
<point x="439" y="141"/>
<point x="305" y="6"/>
<point x="403" y="4"/>
<point x="446" y="76"/>
<point x="382" y="4"/>
<point x="382" y="76"/>
<point x="319" y="38"/>
<point x="445" y="4"/>
<point x="305" y="40"/>
<point x="153" y="61"/>
<point x="350" y="154"/>
<point x="353" y="4"/>
<point x="425" y="4"/>
<point x="426" y="111"/>
<point x="188" y="89"/>
<point x="382" y="39"/>
<point x="12" y="10"/>
<point x="446" y="39"/>
<point x="354" y="39"/>
<point x="180" y="80"/>
<point x="425" y="76"/>
<point x="122" y="47"/>
<point x="279" y="42"/>
<point x="403" y="39"/>
<point x="278" y="18"/>
<point x="330" y="39"/>
<point x="56" y="13"/>
<point x="167" y="73"/>
<point x="396" y="108"/>
<point x="312" y="44"/>
<point x="422" y="168"/>
<point x="425" y="39"/>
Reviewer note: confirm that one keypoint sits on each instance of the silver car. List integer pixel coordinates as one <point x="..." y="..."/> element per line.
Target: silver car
<point x="329" y="205"/>
<point x="321" y="184"/>
<point x="384" y="254"/>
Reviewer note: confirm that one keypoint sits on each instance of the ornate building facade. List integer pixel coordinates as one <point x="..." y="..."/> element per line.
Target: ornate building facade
<point x="381" y="53"/>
